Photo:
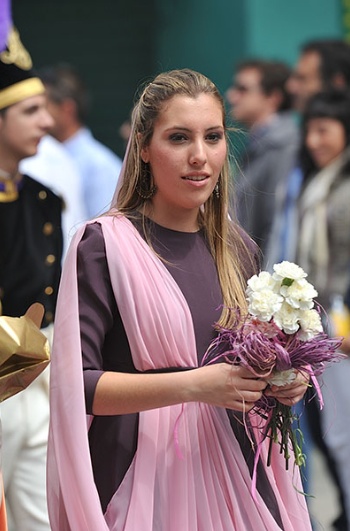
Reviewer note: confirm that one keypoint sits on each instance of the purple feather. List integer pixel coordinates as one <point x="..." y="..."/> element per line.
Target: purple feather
<point x="262" y="353"/>
<point x="5" y="22"/>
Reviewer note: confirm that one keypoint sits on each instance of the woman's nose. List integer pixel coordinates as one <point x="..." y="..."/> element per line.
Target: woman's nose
<point x="198" y="153"/>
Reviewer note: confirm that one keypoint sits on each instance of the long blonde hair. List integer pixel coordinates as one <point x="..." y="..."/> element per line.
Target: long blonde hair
<point x="225" y="241"/>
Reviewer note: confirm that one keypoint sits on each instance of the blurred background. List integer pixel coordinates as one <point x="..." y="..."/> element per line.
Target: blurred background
<point x="118" y="44"/>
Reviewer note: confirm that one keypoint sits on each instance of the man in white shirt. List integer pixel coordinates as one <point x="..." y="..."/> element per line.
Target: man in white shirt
<point x="99" y="167"/>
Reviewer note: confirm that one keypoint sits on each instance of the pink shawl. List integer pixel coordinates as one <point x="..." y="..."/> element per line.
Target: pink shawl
<point x="3" y="519"/>
<point x="201" y="482"/>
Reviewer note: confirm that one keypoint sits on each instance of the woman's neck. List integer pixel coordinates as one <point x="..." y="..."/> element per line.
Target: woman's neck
<point x="178" y="221"/>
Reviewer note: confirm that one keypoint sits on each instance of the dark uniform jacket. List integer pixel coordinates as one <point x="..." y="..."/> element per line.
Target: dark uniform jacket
<point x="30" y="249"/>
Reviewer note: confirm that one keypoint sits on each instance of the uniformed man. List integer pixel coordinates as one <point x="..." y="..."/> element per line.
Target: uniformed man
<point x="30" y="267"/>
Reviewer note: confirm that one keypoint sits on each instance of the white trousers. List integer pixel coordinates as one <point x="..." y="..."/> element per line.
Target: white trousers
<point x="335" y="418"/>
<point x="25" y="425"/>
<point x="25" y="420"/>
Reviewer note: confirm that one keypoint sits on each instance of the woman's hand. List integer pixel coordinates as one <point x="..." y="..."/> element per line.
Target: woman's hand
<point x="291" y="393"/>
<point x="226" y="385"/>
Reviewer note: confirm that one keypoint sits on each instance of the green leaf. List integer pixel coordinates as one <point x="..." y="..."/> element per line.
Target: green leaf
<point x="287" y="281"/>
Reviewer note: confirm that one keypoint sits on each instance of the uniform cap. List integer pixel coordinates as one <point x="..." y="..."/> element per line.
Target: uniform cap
<point x="17" y="79"/>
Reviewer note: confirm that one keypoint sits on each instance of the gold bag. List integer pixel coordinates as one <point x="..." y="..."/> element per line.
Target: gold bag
<point x="24" y="351"/>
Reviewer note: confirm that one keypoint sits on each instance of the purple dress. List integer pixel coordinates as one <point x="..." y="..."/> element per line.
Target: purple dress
<point x="105" y="347"/>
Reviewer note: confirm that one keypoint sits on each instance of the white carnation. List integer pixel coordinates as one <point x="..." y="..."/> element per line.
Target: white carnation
<point x="299" y="294"/>
<point x="264" y="303"/>
<point x="310" y="324"/>
<point x="284" y="296"/>
<point x="281" y="378"/>
<point x="288" y="270"/>
<point x="287" y="318"/>
<point x="260" y="282"/>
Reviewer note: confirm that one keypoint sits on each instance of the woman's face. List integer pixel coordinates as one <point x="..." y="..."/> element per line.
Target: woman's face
<point x="325" y="140"/>
<point x="186" y="154"/>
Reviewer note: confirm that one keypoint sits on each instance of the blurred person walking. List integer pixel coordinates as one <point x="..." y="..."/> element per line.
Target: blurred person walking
<point x="323" y="64"/>
<point x="324" y="251"/>
<point x="259" y="101"/>
<point x="99" y="167"/>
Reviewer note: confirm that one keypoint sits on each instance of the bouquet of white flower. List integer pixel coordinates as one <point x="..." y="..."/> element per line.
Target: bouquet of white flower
<point x="286" y="297"/>
<point x="281" y="335"/>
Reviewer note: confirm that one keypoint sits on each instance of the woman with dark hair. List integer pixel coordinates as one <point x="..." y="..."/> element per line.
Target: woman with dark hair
<point x="143" y="290"/>
<point x="324" y="236"/>
<point x="324" y="253"/>
<point x="326" y="113"/>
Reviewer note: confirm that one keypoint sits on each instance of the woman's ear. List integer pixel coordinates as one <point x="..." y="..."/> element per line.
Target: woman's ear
<point x="144" y="150"/>
<point x="145" y="155"/>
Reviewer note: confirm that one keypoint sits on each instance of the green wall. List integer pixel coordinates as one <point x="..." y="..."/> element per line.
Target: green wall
<point x="208" y="36"/>
<point x="214" y="36"/>
<point x="118" y="44"/>
<point x="111" y="42"/>
<point x="277" y="27"/>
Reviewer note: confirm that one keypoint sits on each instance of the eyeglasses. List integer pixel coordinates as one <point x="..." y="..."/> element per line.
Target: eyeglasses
<point x="244" y="89"/>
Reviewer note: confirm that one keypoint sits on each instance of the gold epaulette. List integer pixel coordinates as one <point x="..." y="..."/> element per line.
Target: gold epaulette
<point x="9" y="189"/>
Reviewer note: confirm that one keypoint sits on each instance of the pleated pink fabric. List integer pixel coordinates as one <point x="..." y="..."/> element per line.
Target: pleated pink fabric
<point x="200" y="482"/>
<point x="3" y="518"/>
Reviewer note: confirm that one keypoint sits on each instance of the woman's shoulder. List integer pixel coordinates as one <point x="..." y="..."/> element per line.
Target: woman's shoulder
<point x="91" y="239"/>
<point x="96" y="225"/>
<point x="95" y="230"/>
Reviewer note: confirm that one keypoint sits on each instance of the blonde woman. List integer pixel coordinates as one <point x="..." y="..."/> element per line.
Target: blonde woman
<point x="142" y="290"/>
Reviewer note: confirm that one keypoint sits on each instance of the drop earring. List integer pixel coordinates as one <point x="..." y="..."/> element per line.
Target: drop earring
<point x="217" y="190"/>
<point x="146" y="187"/>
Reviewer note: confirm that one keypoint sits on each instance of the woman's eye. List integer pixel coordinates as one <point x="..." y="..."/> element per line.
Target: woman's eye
<point x="178" y="137"/>
<point x="214" y="137"/>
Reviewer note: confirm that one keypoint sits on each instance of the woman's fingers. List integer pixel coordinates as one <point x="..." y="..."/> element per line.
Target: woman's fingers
<point x="290" y="394"/>
<point x="244" y="389"/>
<point x="229" y="386"/>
